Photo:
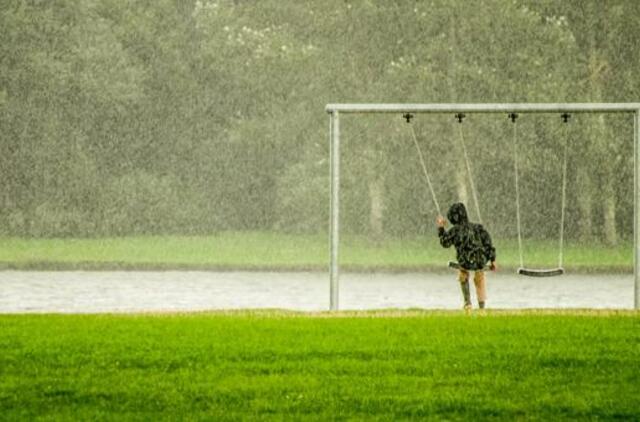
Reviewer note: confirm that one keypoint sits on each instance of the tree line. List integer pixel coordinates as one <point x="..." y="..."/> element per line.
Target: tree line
<point x="192" y="117"/>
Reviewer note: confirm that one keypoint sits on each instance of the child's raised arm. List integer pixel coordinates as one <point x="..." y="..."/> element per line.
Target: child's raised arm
<point x="446" y="238"/>
<point x="489" y="249"/>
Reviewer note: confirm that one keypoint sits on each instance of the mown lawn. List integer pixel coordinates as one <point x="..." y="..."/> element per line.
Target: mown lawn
<point x="343" y="366"/>
<point x="274" y="251"/>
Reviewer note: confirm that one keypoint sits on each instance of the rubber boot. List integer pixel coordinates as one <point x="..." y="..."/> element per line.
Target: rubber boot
<point x="466" y="294"/>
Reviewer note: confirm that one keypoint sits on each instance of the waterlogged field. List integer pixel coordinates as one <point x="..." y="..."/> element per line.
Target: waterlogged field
<point x="258" y="250"/>
<point x="275" y="365"/>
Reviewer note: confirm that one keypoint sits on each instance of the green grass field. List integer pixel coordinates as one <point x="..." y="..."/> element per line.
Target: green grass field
<point x="345" y="366"/>
<point x="272" y="251"/>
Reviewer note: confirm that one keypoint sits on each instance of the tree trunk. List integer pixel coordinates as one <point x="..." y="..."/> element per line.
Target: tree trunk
<point x="599" y="69"/>
<point x="376" y="201"/>
<point x="610" y="232"/>
<point x="609" y="191"/>
<point x="585" y="200"/>
<point x="375" y="174"/>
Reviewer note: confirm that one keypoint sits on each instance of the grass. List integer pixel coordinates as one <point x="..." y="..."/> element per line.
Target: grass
<point x="345" y="366"/>
<point x="274" y="251"/>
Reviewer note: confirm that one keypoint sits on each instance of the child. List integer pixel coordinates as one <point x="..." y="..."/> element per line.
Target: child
<point x="473" y="250"/>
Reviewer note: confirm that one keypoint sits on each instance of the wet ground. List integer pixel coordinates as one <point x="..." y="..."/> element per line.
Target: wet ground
<point x="89" y="292"/>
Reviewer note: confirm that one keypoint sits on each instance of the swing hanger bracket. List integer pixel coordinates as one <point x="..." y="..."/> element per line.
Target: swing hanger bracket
<point x="565" y="117"/>
<point x="407" y="117"/>
<point x="460" y="117"/>
<point x="513" y="117"/>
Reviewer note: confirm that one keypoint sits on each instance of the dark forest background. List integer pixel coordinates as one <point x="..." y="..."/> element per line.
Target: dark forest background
<point x="190" y="117"/>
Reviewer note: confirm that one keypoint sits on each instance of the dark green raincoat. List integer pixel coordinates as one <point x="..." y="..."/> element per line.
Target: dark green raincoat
<point x="473" y="243"/>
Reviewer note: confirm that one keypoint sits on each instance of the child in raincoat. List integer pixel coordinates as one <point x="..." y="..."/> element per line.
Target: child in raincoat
<point x="473" y="250"/>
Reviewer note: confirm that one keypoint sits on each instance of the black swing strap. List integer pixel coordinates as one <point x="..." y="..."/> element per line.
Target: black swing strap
<point x="422" y="162"/>
<point x="513" y="117"/>
<point x="565" y="118"/>
<point x="467" y="163"/>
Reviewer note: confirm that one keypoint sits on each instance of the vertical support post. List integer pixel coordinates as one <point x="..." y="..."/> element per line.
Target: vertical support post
<point x="636" y="210"/>
<point x="334" y="129"/>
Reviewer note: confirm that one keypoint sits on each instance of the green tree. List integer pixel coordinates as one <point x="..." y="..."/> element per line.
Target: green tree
<point x="606" y="63"/>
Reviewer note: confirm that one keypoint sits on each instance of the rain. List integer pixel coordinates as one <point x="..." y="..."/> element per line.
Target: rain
<point x="179" y="150"/>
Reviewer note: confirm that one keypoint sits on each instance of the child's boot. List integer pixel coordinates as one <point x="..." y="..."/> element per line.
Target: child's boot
<point x="466" y="294"/>
<point x="463" y="278"/>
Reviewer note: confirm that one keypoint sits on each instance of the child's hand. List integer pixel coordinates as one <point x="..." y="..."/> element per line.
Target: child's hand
<point x="493" y="266"/>
<point x="440" y="221"/>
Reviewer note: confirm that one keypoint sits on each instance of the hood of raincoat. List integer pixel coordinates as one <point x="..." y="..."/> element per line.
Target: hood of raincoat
<point x="457" y="214"/>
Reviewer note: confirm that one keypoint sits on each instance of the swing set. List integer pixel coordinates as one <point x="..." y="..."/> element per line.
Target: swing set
<point x="459" y="110"/>
<point x="522" y="270"/>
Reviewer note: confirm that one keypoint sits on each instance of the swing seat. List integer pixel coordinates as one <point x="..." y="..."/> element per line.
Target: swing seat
<point x="456" y="266"/>
<point x="541" y="273"/>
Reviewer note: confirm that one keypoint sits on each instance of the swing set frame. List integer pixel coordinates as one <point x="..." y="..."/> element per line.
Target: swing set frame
<point x="335" y="110"/>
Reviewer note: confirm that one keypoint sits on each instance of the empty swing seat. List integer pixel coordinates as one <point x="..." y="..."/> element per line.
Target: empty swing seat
<point x="551" y="272"/>
<point x="541" y="273"/>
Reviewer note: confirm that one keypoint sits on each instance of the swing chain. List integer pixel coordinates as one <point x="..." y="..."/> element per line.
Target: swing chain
<point x="559" y="270"/>
<point x="408" y="117"/>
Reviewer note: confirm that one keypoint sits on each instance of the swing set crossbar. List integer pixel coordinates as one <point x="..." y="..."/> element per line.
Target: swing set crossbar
<point x="486" y="108"/>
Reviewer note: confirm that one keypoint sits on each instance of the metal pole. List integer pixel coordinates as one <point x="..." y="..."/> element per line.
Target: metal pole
<point x="487" y="108"/>
<point x="636" y="209"/>
<point x="335" y="208"/>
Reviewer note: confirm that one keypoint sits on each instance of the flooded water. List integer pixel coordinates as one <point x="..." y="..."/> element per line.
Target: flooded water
<point x="91" y="292"/>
